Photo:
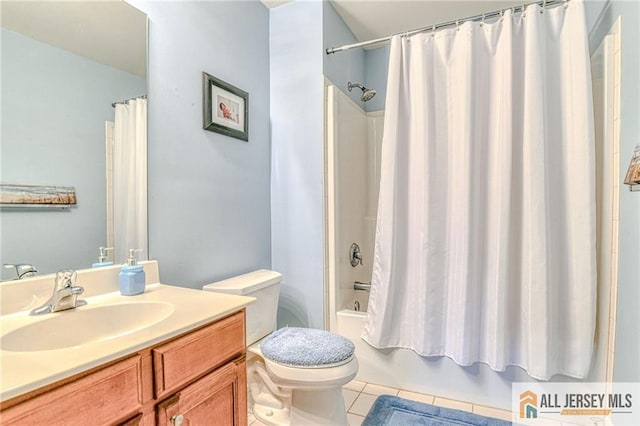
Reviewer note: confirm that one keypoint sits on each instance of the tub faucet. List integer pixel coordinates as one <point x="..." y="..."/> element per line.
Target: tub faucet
<point x="65" y="294"/>
<point x="358" y="285"/>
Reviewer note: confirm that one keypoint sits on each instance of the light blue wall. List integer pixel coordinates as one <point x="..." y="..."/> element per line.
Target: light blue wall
<point x="297" y="160"/>
<point x="300" y="32"/>
<point x="627" y="351"/>
<point x="209" y="196"/>
<point x="54" y="107"/>
<point x="340" y="68"/>
<point x="376" y="64"/>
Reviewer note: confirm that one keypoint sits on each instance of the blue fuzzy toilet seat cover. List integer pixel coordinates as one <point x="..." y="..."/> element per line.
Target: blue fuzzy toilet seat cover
<point x="307" y="348"/>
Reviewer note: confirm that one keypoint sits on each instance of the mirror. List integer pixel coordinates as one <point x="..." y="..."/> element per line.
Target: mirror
<point x="63" y="65"/>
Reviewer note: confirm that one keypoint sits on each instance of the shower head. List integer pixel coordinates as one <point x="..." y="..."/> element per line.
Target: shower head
<point x="367" y="94"/>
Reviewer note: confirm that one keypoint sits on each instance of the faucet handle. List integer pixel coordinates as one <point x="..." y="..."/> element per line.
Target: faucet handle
<point x="65" y="278"/>
<point x="355" y="255"/>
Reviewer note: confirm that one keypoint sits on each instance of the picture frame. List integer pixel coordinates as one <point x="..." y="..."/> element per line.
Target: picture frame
<point x="225" y="108"/>
<point x="632" y="176"/>
<point x="37" y="196"/>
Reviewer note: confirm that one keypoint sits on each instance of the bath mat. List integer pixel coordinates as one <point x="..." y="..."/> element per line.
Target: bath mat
<point x="390" y="410"/>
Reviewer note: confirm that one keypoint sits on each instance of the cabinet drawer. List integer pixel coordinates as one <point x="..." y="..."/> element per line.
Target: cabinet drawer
<point x="83" y="402"/>
<point x="191" y="356"/>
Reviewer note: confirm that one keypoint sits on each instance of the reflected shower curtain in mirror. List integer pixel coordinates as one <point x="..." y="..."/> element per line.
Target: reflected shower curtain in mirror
<point x="130" y="179"/>
<point x="485" y="236"/>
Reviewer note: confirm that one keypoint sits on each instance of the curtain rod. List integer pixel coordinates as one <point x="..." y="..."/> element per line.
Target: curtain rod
<point x="543" y="3"/>
<point x="127" y="100"/>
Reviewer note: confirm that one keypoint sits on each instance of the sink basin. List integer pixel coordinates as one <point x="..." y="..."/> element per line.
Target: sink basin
<point x="83" y="325"/>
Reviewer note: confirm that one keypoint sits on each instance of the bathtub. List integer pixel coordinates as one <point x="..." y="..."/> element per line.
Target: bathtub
<point x="376" y="366"/>
<point x="440" y="376"/>
<point x="387" y="367"/>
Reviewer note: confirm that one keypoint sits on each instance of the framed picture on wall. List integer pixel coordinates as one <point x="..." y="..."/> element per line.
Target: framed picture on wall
<point x="225" y="108"/>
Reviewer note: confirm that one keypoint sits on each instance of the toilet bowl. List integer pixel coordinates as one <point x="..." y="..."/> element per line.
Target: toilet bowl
<point x="294" y="376"/>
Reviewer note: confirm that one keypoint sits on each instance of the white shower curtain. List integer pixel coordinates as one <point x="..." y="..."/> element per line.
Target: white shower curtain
<point x="130" y="179"/>
<point x="485" y="238"/>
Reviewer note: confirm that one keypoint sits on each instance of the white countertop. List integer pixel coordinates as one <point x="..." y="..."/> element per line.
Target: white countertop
<point x="21" y="372"/>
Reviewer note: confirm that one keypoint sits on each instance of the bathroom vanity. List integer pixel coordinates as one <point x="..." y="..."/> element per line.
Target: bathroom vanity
<point x="185" y="364"/>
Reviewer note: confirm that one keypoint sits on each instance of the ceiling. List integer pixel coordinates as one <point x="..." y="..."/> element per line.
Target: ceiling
<point x="371" y="19"/>
<point x="98" y="30"/>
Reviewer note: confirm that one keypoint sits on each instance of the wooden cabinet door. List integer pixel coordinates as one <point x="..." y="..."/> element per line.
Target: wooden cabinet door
<point x="219" y="399"/>
<point x="103" y="397"/>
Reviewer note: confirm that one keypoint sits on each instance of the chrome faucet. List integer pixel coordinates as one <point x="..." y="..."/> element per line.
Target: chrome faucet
<point x="65" y="294"/>
<point x="359" y="285"/>
<point x="23" y="270"/>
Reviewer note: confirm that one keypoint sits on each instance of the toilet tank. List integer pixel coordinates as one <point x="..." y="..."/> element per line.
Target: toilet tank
<point x="264" y="285"/>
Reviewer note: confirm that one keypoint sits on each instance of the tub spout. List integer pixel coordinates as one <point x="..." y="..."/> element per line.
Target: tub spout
<point x="357" y="285"/>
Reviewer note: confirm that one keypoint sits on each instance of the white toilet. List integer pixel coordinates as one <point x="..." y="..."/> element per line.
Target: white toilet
<point x="298" y="379"/>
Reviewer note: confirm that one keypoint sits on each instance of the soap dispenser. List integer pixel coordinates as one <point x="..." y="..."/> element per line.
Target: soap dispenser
<point x="102" y="258"/>
<point x="132" y="279"/>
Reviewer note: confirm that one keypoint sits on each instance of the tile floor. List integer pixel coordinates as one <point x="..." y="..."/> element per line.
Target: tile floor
<point x="360" y="396"/>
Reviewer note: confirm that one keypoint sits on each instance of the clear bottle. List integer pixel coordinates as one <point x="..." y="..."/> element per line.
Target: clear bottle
<point x="132" y="278"/>
<point x="102" y="258"/>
